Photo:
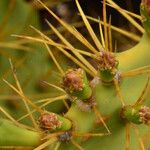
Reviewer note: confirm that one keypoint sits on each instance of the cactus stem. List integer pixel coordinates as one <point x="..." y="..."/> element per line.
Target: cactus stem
<point x="12" y="135"/>
<point x="14" y="121"/>
<point x="137" y="113"/>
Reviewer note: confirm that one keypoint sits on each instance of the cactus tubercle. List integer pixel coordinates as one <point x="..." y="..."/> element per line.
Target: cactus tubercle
<point x="76" y="84"/>
<point x="107" y="66"/>
<point x="53" y="122"/>
<point x="136" y="114"/>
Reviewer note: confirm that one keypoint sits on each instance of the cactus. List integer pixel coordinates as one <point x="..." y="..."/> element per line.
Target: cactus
<point x="107" y="105"/>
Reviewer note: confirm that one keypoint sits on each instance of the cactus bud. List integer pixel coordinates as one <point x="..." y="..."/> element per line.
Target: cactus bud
<point x="144" y="114"/>
<point x="52" y="122"/>
<point x="145" y="13"/>
<point x="136" y="114"/>
<point x="76" y="84"/>
<point x="107" y="65"/>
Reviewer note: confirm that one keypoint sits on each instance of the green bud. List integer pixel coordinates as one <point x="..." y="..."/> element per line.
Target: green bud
<point x="53" y="122"/>
<point x="76" y="84"/>
<point x="107" y="65"/>
<point x="136" y="114"/>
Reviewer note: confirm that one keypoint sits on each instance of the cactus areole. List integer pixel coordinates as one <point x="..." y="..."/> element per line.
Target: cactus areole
<point x="76" y="84"/>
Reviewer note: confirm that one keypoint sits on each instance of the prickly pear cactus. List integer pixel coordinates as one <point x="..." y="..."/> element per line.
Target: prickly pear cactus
<point x="107" y="105"/>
